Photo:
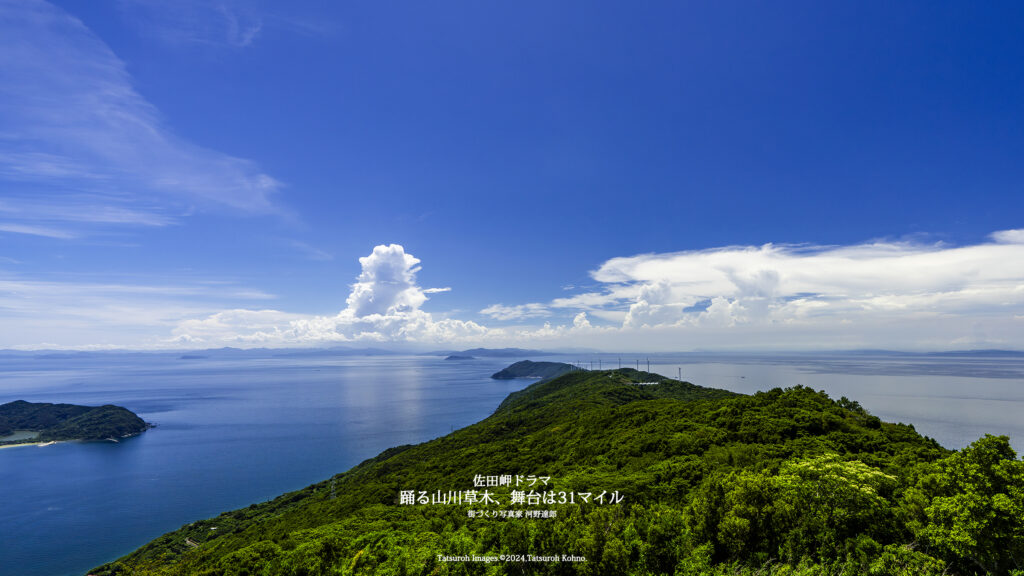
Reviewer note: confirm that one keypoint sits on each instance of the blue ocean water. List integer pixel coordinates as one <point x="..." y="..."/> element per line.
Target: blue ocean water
<point x="230" y="432"/>
<point x="234" y="429"/>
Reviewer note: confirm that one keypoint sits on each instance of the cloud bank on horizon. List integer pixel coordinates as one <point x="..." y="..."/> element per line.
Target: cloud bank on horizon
<point x="879" y="294"/>
<point x="897" y="295"/>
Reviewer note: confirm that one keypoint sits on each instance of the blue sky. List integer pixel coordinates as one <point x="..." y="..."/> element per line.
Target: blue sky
<point x="670" y="176"/>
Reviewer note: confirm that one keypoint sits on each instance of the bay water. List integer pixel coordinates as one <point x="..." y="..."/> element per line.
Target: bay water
<point x="233" y="428"/>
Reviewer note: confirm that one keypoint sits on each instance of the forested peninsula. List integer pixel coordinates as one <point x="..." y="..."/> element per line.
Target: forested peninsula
<point x="691" y="481"/>
<point x="531" y="369"/>
<point x="24" y="422"/>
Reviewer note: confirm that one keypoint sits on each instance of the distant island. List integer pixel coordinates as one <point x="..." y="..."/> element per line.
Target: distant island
<point x="460" y="357"/>
<point x="24" y="422"/>
<point x="530" y="369"/>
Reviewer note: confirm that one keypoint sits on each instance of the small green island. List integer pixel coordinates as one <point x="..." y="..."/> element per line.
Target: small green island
<point x="24" y="422"/>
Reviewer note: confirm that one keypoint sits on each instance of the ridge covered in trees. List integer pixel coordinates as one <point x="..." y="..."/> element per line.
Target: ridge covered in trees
<point x="705" y="481"/>
<point x="531" y="369"/>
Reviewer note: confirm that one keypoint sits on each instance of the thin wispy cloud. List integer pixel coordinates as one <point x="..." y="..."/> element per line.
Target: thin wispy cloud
<point x="30" y="230"/>
<point x="82" y="209"/>
<point x="516" y="312"/>
<point x="195" y="22"/>
<point x="229" y="24"/>
<point x="310" y="252"/>
<point x="72" y="313"/>
<point x="73" y="127"/>
<point x="39" y="289"/>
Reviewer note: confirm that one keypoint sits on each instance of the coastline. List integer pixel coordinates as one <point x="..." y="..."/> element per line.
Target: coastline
<point x="48" y="443"/>
<point x="51" y="442"/>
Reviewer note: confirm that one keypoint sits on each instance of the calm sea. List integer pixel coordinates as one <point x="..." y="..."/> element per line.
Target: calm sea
<point x="237" y="429"/>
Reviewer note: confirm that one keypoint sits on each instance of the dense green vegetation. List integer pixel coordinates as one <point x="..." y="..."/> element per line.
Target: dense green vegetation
<point x="783" y="482"/>
<point x="68" y="421"/>
<point x="530" y="369"/>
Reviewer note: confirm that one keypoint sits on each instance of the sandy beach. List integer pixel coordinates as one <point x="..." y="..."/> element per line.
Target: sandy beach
<point x="31" y="444"/>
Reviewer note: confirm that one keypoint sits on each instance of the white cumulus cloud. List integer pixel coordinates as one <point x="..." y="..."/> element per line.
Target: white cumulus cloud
<point x="387" y="284"/>
<point x="383" y="306"/>
<point x="884" y="294"/>
<point x="1009" y="236"/>
<point x="773" y="282"/>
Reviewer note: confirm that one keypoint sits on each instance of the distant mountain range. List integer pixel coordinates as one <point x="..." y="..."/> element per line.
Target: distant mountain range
<point x="489" y="352"/>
